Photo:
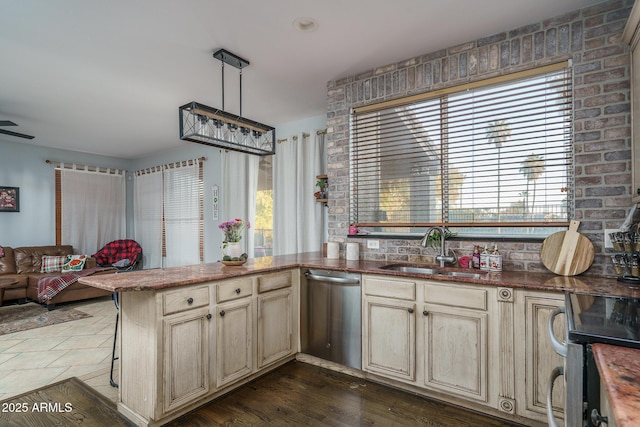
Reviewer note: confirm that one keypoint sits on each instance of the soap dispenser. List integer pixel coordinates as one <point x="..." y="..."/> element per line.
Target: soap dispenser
<point x="484" y="260"/>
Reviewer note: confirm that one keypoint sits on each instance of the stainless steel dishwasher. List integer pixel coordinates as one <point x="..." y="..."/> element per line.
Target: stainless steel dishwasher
<point x="333" y="329"/>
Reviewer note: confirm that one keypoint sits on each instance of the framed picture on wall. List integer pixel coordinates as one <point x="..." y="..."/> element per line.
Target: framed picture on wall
<point x="9" y="199"/>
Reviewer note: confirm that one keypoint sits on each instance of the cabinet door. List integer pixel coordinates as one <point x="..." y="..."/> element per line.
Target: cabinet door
<point x="186" y="357"/>
<point x="456" y="351"/>
<point x="535" y="357"/>
<point x="275" y="326"/>
<point x="389" y="337"/>
<point x="234" y="341"/>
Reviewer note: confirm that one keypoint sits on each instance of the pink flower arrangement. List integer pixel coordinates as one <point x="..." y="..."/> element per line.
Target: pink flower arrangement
<point x="233" y="229"/>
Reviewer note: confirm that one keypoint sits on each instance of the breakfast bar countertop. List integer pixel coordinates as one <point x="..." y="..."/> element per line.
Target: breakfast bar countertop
<point x="163" y="278"/>
<point x="619" y="369"/>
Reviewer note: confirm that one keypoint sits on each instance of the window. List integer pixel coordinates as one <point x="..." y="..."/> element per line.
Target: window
<point x="490" y="158"/>
<point x="263" y="225"/>
<point x="168" y="213"/>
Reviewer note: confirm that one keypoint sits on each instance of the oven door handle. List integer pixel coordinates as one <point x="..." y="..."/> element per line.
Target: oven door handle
<point x="560" y="348"/>
<point x="558" y="371"/>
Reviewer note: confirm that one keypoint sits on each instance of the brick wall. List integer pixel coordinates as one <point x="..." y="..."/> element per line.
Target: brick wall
<point x="592" y="38"/>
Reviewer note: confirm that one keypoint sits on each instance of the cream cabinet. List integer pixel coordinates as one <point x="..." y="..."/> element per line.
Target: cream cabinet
<point x="455" y="332"/>
<point x="275" y="318"/>
<point x="186" y="361"/>
<point x="535" y="358"/>
<point x="631" y="36"/>
<point x="389" y="327"/>
<point x="186" y="345"/>
<point x="234" y="330"/>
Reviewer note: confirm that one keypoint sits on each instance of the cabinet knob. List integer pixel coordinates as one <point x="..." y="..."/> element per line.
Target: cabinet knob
<point x="209" y="316"/>
<point x="410" y="310"/>
<point x="222" y="313"/>
<point x="189" y="300"/>
<point x="238" y="291"/>
<point x="425" y="313"/>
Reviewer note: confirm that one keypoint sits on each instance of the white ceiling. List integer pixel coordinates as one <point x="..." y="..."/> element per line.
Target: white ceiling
<point x="107" y="77"/>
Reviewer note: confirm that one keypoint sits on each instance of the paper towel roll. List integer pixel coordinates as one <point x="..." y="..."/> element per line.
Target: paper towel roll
<point x="353" y="251"/>
<point x="333" y="250"/>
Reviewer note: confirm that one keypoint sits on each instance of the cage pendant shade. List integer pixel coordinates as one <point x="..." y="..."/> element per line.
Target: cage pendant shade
<point x="210" y="126"/>
<point x="217" y="128"/>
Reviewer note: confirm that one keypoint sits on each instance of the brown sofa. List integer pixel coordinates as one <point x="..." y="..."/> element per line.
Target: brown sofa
<point x="24" y="264"/>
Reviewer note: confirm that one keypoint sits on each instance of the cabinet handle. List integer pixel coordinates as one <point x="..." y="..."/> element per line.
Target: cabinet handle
<point x="209" y="316"/>
<point x="638" y="191"/>
<point x="238" y="291"/>
<point x="222" y="313"/>
<point x="425" y="313"/>
<point x="410" y="310"/>
<point x="189" y="301"/>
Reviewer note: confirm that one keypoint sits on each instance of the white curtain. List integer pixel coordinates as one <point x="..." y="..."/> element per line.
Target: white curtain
<point x="297" y="217"/>
<point x="93" y="208"/>
<point x="239" y="189"/>
<point x="147" y="216"/>
<point x="182" y="215"/>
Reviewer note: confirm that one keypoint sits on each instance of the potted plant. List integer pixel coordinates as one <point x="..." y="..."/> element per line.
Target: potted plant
<point x="322" y="185"/>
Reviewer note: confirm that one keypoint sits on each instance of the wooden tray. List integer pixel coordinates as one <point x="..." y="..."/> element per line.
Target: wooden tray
<point x="233" y="263"/>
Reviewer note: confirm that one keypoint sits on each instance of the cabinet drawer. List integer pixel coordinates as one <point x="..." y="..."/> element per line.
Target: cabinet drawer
<point x="271" y="282"/>
<point x="456" y="296"/>
<point x="390" y="288"/>
<point x="234" y="289"/>
<point x="184" y="299"/>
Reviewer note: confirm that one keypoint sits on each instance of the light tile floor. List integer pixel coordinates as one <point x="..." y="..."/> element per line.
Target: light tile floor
<point x="79" y="348"/>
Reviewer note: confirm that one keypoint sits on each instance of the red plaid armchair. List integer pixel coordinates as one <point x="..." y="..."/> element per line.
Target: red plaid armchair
<point x="124" y="254"/>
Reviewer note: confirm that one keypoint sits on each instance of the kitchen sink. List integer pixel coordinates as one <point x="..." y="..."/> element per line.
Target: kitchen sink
<point x="410" y="269"/>
<point x="461" y="274"/>
<point x="417" y="269"/>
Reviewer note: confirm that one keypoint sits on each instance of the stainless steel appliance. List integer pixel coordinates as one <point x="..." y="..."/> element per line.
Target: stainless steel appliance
<point x="590" y="319"/>
<point x="332" y="329"/>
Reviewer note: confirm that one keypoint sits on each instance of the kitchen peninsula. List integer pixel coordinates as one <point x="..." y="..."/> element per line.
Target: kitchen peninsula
<point x="189" y="334"/>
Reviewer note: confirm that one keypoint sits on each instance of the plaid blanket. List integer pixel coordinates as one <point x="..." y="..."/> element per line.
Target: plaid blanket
<point x="50" y="286"/>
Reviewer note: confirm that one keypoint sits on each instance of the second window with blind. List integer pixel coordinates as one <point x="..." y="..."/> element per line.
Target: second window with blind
<point x="491" y="158"/>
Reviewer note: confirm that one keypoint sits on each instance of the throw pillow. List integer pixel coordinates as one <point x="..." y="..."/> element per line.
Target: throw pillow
<point x="52" y="263"/>
<point x="74" y="263"/>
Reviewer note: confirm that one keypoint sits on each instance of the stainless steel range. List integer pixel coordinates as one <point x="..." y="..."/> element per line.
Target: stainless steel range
<point x="590" y="319"/>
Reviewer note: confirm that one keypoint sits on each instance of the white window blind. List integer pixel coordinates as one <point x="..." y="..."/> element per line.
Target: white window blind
<point x="487" y="157"/>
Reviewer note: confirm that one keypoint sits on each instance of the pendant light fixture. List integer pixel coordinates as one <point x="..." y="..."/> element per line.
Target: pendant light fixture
<point x="218" y="128"/>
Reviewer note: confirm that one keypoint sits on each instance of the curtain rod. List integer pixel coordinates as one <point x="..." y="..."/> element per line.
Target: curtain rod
<point x="172" y="165"/>
<point x="86" y="168"/>
<point x="304" y="135"/>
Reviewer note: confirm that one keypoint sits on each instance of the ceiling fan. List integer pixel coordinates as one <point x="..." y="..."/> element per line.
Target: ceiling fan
<point x="8" y="132"/>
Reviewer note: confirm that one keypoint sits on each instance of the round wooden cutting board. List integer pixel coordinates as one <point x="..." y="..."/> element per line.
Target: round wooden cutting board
<point x="567" y="253"/>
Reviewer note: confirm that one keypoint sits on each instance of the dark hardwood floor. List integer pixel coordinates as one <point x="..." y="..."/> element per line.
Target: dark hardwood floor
<point x="305" y="395"/>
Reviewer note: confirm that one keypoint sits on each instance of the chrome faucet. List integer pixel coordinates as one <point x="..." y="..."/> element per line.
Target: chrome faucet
<point x="442" y="257"/>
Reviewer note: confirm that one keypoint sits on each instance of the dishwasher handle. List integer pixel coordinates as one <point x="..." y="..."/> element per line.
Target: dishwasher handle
<point x="331" y="279"/>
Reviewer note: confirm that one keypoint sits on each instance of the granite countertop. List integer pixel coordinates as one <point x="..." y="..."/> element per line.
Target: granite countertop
<point x="163" y="278"/>
<point x="619" y="369"/>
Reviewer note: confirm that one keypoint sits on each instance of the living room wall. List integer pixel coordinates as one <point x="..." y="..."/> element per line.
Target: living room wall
<point x="23" y="165"/>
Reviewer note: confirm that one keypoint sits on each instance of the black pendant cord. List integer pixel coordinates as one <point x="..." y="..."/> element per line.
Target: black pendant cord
<point x="240" y="92"/>
<point x="222" y="85"/>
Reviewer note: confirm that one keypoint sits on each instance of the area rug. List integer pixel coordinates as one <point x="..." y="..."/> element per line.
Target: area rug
<point x="66" y="403"/>
<point x="18" y="318"/>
